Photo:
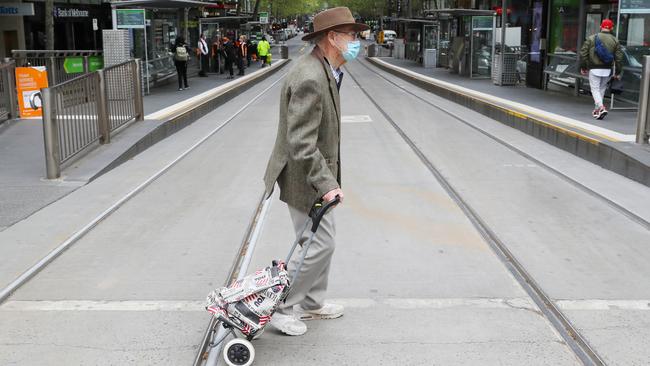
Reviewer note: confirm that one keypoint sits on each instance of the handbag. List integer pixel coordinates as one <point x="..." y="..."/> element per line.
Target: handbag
<point x="616" y="86"/>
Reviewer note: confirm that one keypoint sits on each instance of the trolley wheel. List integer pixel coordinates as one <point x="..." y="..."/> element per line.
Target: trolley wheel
<point x="239" y="352"/>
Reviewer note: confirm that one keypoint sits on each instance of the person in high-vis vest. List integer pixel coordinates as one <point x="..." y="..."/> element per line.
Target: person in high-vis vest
<point x="263" y="50"/>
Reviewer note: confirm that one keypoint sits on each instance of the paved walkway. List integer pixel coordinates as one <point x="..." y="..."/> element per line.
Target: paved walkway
<point x="557" y="100"/>
<point x="23" y="189"/>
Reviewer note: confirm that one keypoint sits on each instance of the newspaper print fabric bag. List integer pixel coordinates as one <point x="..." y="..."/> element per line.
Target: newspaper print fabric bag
<point x="250" y="302"/>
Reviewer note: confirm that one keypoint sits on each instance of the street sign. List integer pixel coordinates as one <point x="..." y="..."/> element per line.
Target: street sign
<point x="95" y="26"/>
<point x="95" y="63"/>
<point x="29" y="81"/>
<point x="130" y="18"/>
<point x="264" y="18"/>
<point x="73" y="65"/>
<point x="16" y="9"/>
<point x="635" y="6"/>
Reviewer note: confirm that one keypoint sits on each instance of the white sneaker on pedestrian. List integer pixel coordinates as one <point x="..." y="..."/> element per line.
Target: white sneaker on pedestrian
<point x="288" y="324"/>
<point x="602" y="112"/>
<point x="328" y="311"/>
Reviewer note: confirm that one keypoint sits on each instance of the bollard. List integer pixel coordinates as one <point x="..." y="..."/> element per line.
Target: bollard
<point x="50" y="136"/>
<point x="643" y="127"/>
<point x="102" y="109"/>
<point x="137" y="89"/>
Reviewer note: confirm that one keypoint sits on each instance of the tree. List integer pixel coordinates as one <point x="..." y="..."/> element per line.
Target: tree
<point x="49" y="24"/>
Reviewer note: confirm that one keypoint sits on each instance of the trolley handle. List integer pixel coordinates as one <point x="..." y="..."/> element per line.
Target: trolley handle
<point x="319" y="210"/>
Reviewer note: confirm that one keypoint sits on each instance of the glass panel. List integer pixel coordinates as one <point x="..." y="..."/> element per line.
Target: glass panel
<point x="634" y="35"/>
<point x="482" y="36"/>
<point x="564" y="26"/>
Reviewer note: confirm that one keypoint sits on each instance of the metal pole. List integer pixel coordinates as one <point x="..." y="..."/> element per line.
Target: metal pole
<point x="643" y="127"/>
<point x="52" y="71"/>
<point x="137" y="90"/>
<point x="86" y="64"/>
<point x="114" y="16"/>
<point x="11" y="85"/>
<point x="103" y="119"/>
<point x="50" y="136"/>
<point x="504" y="20"/>
<point x="582" y="20"/>
<point x="146" y="56"/>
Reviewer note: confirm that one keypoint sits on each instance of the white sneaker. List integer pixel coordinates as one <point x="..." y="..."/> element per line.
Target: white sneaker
<point x="288" y="324"/>
<point x="328" y="311"/>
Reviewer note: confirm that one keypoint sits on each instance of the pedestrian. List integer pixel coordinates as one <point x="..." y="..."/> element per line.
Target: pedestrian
<point x="598" y="55"/>
<point x="252" y="52"/>
<point x="248" y="52"/>
<point x="305" y="161"/>
<point x="181" y="56"/>
<point x="263" y="48"/>
<point x="215" y="53"/>
<point x="242" y="52"/>
<point x="230" y="54"/>
<point x="203" y="54"/>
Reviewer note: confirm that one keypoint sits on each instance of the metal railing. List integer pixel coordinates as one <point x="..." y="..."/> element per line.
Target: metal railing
<point x="62" y="65"/>
<point x="87" y="109"/>
<point x="643" y="125"/>
<point x="8" y="106"/>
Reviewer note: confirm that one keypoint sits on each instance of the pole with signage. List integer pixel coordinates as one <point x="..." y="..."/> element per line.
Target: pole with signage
<point x="135" y="19"/>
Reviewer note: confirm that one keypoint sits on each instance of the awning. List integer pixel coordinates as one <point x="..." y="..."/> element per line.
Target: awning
<point x="165" y="4"/>
<point x="415" y="20"/>
<point x="461" y="12"/>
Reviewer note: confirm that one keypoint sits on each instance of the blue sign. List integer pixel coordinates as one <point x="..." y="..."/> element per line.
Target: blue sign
<point x="16" y="9"/>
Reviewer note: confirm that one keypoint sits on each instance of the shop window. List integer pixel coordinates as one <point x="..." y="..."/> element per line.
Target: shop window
<point x="564" y="26"/>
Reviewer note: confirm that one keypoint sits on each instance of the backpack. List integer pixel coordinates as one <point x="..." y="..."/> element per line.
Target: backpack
<point x="181" y="54"/>
<point x="602" y="52"/>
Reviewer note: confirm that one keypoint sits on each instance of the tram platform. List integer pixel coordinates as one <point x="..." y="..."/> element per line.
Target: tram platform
<point x="558" y="118"/>
<point x="23" y="190"/>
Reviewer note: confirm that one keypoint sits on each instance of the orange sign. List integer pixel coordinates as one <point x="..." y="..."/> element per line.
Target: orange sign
<point x="29" y="81"/>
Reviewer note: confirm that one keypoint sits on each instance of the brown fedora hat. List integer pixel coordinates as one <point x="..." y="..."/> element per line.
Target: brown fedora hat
<point x="332" y="19"/>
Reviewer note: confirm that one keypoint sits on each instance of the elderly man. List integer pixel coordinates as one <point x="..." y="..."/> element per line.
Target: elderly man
<point x="306" y="159"/>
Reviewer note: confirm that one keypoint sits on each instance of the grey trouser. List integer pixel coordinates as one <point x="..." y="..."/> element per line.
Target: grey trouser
<point x="598" y="86"/>
<point x="311" y="285"/>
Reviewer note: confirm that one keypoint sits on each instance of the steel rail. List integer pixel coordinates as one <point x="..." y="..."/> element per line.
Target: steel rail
<point x="208" y="351"/>
<point x="7" y="291"/>
<point x="574" y="340"/>
<point x="629" y="214"/>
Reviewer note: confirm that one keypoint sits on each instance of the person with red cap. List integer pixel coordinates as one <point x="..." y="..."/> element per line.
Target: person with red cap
<point x="598" y="55"/>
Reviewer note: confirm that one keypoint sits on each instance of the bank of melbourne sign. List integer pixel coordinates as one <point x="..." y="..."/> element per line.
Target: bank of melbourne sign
<point x="71" y="13"/>
<point x="16" y="9"/>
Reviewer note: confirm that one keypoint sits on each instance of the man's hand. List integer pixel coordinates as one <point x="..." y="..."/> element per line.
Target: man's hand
<point x="329" y="196"/>
<point x="617" y="77"/>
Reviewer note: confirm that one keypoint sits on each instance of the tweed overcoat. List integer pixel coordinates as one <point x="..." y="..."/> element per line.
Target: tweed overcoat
<point x="306" y="161"/>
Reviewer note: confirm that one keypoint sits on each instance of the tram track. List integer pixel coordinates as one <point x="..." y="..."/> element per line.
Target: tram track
<point x="209" y="352"/>
<point x="558" y="320"/>
<point x="627" y="213"/>
<point x="31" y="272"/>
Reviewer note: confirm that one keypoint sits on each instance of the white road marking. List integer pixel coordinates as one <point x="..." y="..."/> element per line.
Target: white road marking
<point x="603" y="304"/>
<point x="519" y="107"/>
<point x="353" y="303"/>
<point x="356" y="119"/>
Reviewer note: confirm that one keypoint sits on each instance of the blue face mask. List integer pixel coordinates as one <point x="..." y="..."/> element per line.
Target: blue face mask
<point x="353" y="50"/>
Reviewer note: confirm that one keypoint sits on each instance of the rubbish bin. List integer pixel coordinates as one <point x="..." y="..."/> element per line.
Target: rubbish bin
<point x="430" y="58"/>
<point x="509" y="76"/>
<point x="284" y="52"/>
